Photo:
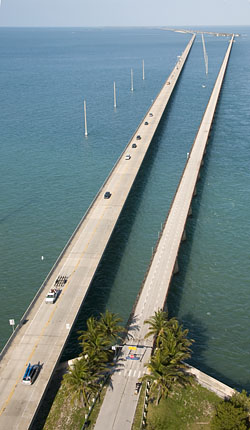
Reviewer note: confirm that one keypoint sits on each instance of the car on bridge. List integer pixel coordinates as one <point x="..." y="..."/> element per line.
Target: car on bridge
<point x="128" y="156"/>
<point x="31" y="373"/>
<point x="52" y="295"/>
<point x="107" y="195"/>
<point x="138" y="137"/>
<point x="134" y="145"/>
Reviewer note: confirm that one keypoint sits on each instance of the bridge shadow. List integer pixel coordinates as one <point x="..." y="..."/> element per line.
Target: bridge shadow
<point x="55" y="383"/>
<point x="103" y="281"/>
<point x="178" y="280"/>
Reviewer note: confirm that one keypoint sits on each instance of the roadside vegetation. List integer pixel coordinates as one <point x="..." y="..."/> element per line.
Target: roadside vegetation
<point x="83" y="384"/>
<point x="195" y="408"/>
<point x="171" y="347"/>
<point x="176" y="400"/>
<point x="233" y="413"/>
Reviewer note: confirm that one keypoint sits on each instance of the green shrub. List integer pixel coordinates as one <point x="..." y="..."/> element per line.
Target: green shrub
<point x="232" y="414"/>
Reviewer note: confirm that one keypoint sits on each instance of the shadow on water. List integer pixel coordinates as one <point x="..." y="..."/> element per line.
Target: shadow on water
<point x="102" y="283"/>
<point x="101" y="286"/>
<point x="178" y="281"/>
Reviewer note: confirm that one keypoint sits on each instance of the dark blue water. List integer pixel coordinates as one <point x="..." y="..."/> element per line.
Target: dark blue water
<point x="50" y="173"/>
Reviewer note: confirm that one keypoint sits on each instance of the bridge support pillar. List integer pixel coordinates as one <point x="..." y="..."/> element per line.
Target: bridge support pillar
<point x="184" y="236"/>
<point x="176" y="267"/>
<point x="195" y="192"/>
<point x="190" y="211"/>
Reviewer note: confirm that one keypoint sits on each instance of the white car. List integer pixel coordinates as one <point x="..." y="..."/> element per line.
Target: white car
<point x="52" y="295"/>
<point x="128" y="156"/>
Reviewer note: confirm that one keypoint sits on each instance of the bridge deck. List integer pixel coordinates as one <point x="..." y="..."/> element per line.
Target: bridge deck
<point x="46" y="327"/>
<point x="119" y="405"/>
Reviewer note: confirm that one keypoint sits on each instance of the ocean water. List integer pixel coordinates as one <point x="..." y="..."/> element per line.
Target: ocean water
<point x="50" y="173"/>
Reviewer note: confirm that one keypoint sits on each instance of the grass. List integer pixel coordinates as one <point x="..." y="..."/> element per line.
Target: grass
<point x="67" y="416"/>
<point x="190" y="408"/>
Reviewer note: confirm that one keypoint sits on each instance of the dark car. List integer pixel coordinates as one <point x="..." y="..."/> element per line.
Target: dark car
<point x="138" y="137"/>
<point x="146" y="122"/>
<point x="107" y="195"/>
<point x="137" y="387"/>
<point x="31" y="373"/>
<point x="134" y="145"/>
<point x="150" y="114"/>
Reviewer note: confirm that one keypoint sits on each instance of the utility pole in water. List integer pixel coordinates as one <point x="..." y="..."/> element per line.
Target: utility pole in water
<point x="114" y="96"/>
<point x="85" y="118"/>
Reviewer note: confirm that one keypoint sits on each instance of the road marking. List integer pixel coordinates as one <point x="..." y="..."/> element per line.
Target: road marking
<point x="5" y="404"/>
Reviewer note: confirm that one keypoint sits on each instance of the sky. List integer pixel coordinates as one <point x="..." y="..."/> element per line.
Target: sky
<point x="92" y="13"/>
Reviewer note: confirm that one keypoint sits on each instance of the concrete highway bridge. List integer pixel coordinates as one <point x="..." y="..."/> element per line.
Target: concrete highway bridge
<point x="119" y="405"/>
<point x="212" y="33"/>
<point x="44" y="328"/>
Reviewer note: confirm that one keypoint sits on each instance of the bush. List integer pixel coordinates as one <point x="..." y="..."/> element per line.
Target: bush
<point x="232" y="414"/>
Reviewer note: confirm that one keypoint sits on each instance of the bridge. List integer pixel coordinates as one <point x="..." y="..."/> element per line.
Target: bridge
<point x="44" y="328"/>
<point x="119" y="405"/>
<point x="212" y="33"/>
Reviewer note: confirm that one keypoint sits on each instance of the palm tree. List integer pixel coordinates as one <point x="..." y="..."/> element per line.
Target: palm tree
<point x="81" y="381"/>
<point x="92" y="328"/>
<point x="175" y="343"/>
<point x="96" y="347"/>
<point x="171" y="349"/>
<point x="158" y="325"/>
<point x="109" y="326"/>
<point x="164" y="374"/>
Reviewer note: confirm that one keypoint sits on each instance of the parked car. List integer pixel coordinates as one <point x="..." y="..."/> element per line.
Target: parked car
<point x="128" y="156"/>
<point x="151" y="114"/>
<point x="107" y="195"/>
<point x="134" y="145"/>
<point x="146" y="122"/>
<point x="138" y="137"/>
<point x="31" y="373"/>
<point x="137" y="387"/>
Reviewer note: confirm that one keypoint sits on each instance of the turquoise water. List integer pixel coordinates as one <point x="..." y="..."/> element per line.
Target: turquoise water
<point x="50" y="173"/>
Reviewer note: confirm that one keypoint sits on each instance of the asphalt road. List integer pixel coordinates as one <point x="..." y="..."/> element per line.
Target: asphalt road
<point x="46" y="328"/>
